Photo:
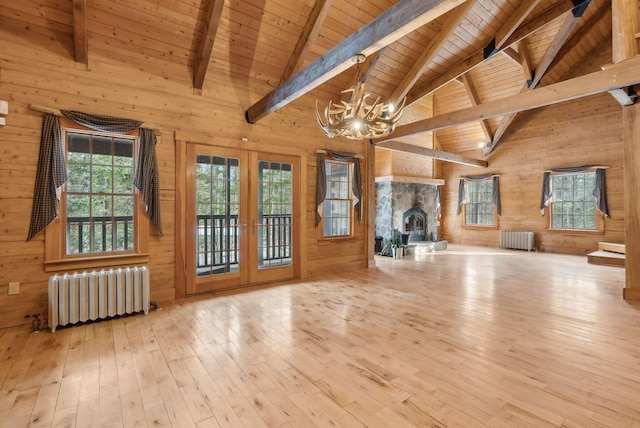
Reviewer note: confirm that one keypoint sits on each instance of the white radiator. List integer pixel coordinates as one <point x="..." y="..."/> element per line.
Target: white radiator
<point x="88" y="296"/>
<point x="517" y="239"/>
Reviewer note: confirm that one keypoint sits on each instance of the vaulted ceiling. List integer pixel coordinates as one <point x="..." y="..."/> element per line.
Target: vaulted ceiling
<point x="445" y="56"/>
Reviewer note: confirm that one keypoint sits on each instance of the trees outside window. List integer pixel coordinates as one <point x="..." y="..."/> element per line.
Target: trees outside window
<point x="479" y="208"/>
<point x="573" y="205"/>
<point x="99" y="197"/>
<point x="338" y="201"/>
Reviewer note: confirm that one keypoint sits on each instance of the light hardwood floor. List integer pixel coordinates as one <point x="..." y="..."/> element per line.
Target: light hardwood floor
<point x="462" y="338"/>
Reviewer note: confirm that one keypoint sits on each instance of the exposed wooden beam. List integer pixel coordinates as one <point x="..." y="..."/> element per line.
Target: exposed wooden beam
<point x="525" y="64"/>
<point x="554" y="47"/>
<point x="372" y="64"/>
<point x="435" y="45"/>
<point x="428" y="87"/>
<point x="410" y="179"/>
<point x="393" y="24"/>
<point x="432" y="153"/>
<point x="625" y="25"/>
<point x="622" y="97"/>
<point x="80" y="38"/>
<point x="309" y="33"/>
<point x="556" y="44"/>
<point x="512" y="54"/>
<point x="540" y="20"/>
<point x="506" y="120"/>
<point x="602" y="13"/>
<point x="613" y="77"/>
<point x="206" y="46"/>
<point x="515" y="20"/>
<point x="420" y="91"/>
<point x="475" y="100"/>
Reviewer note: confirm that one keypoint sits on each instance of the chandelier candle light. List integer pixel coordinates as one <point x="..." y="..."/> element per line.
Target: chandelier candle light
<point x="356" y="118"/>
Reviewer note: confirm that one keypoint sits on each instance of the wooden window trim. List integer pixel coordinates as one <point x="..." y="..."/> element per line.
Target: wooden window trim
<point x="496" y="217"/>
<point x="600" y="223"/>
<point x="328" y="240"/>
<point x="599" y="230"/>
<point x="56" y="258"/>
<point x="493" y="226"/>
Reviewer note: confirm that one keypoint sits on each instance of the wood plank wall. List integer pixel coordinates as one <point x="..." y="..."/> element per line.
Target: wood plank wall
<point x="580" y="132"/>
<point x="37" y="66"/>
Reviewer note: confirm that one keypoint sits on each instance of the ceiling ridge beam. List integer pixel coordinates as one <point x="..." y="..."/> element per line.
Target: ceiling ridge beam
<point x="420" y="91"/>
<point x="547" y="59"/>
<point x="309" y="34"/>
<point x="432" y="153"/>
<point x="615" y="76"/>
<point x="396" y="22"/>
<point x="212" y="22"/>
<point x="436" y="44"/>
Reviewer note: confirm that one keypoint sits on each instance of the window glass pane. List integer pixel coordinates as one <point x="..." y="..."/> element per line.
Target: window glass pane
<point x="338" y="204"/>
<point x="123" y="180"/>
<point x="479" y="205"/>
<point x="99" y="194"/>
<point x="101" y="206"/>
<point x="123" y="153"/>
<point x="573" y="204"/>
<point x="79" y="177"/>
<point x="101" y="179"/>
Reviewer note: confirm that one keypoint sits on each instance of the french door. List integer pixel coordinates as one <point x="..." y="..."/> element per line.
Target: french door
<point x="240" y="227"/>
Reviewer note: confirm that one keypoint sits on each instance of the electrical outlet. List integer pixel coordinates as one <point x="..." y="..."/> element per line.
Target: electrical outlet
<point x="14" y="288"/>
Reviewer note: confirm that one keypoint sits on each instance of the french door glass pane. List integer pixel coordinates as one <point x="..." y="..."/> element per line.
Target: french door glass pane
<point x="217" y="208"/>
<point x="274" y="214"/>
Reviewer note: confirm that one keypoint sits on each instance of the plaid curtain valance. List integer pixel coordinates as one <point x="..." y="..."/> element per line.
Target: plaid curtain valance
<point x="462" y="191"/>
<point x="102" y="123"/>
<point x="599" y="191"/>
<point x="52" y="171"/>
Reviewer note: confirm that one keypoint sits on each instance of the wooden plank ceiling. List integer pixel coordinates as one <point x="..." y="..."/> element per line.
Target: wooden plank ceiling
<point x="466" y="53"/>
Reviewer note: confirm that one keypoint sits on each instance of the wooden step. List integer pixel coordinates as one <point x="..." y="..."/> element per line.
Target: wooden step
<point x="611" y="247"/>
<point x="607" y="258"/>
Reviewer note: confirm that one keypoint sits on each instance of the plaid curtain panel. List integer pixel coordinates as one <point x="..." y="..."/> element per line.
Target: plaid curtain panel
<point x="50" y="175"/>
<point x="146" y="176"/>
<point x="52" y="172"/>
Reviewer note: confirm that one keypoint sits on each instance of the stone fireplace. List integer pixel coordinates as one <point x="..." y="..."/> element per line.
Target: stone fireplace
<point x="408" y="207"/>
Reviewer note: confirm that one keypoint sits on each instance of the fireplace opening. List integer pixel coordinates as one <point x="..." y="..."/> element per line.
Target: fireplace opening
<point x="415" y="223"/>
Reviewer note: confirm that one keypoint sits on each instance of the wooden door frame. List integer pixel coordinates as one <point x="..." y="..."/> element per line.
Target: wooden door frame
<point x="255" y="157"/>
<point x="195" y="284"/>
<point x="182" y="138"/>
